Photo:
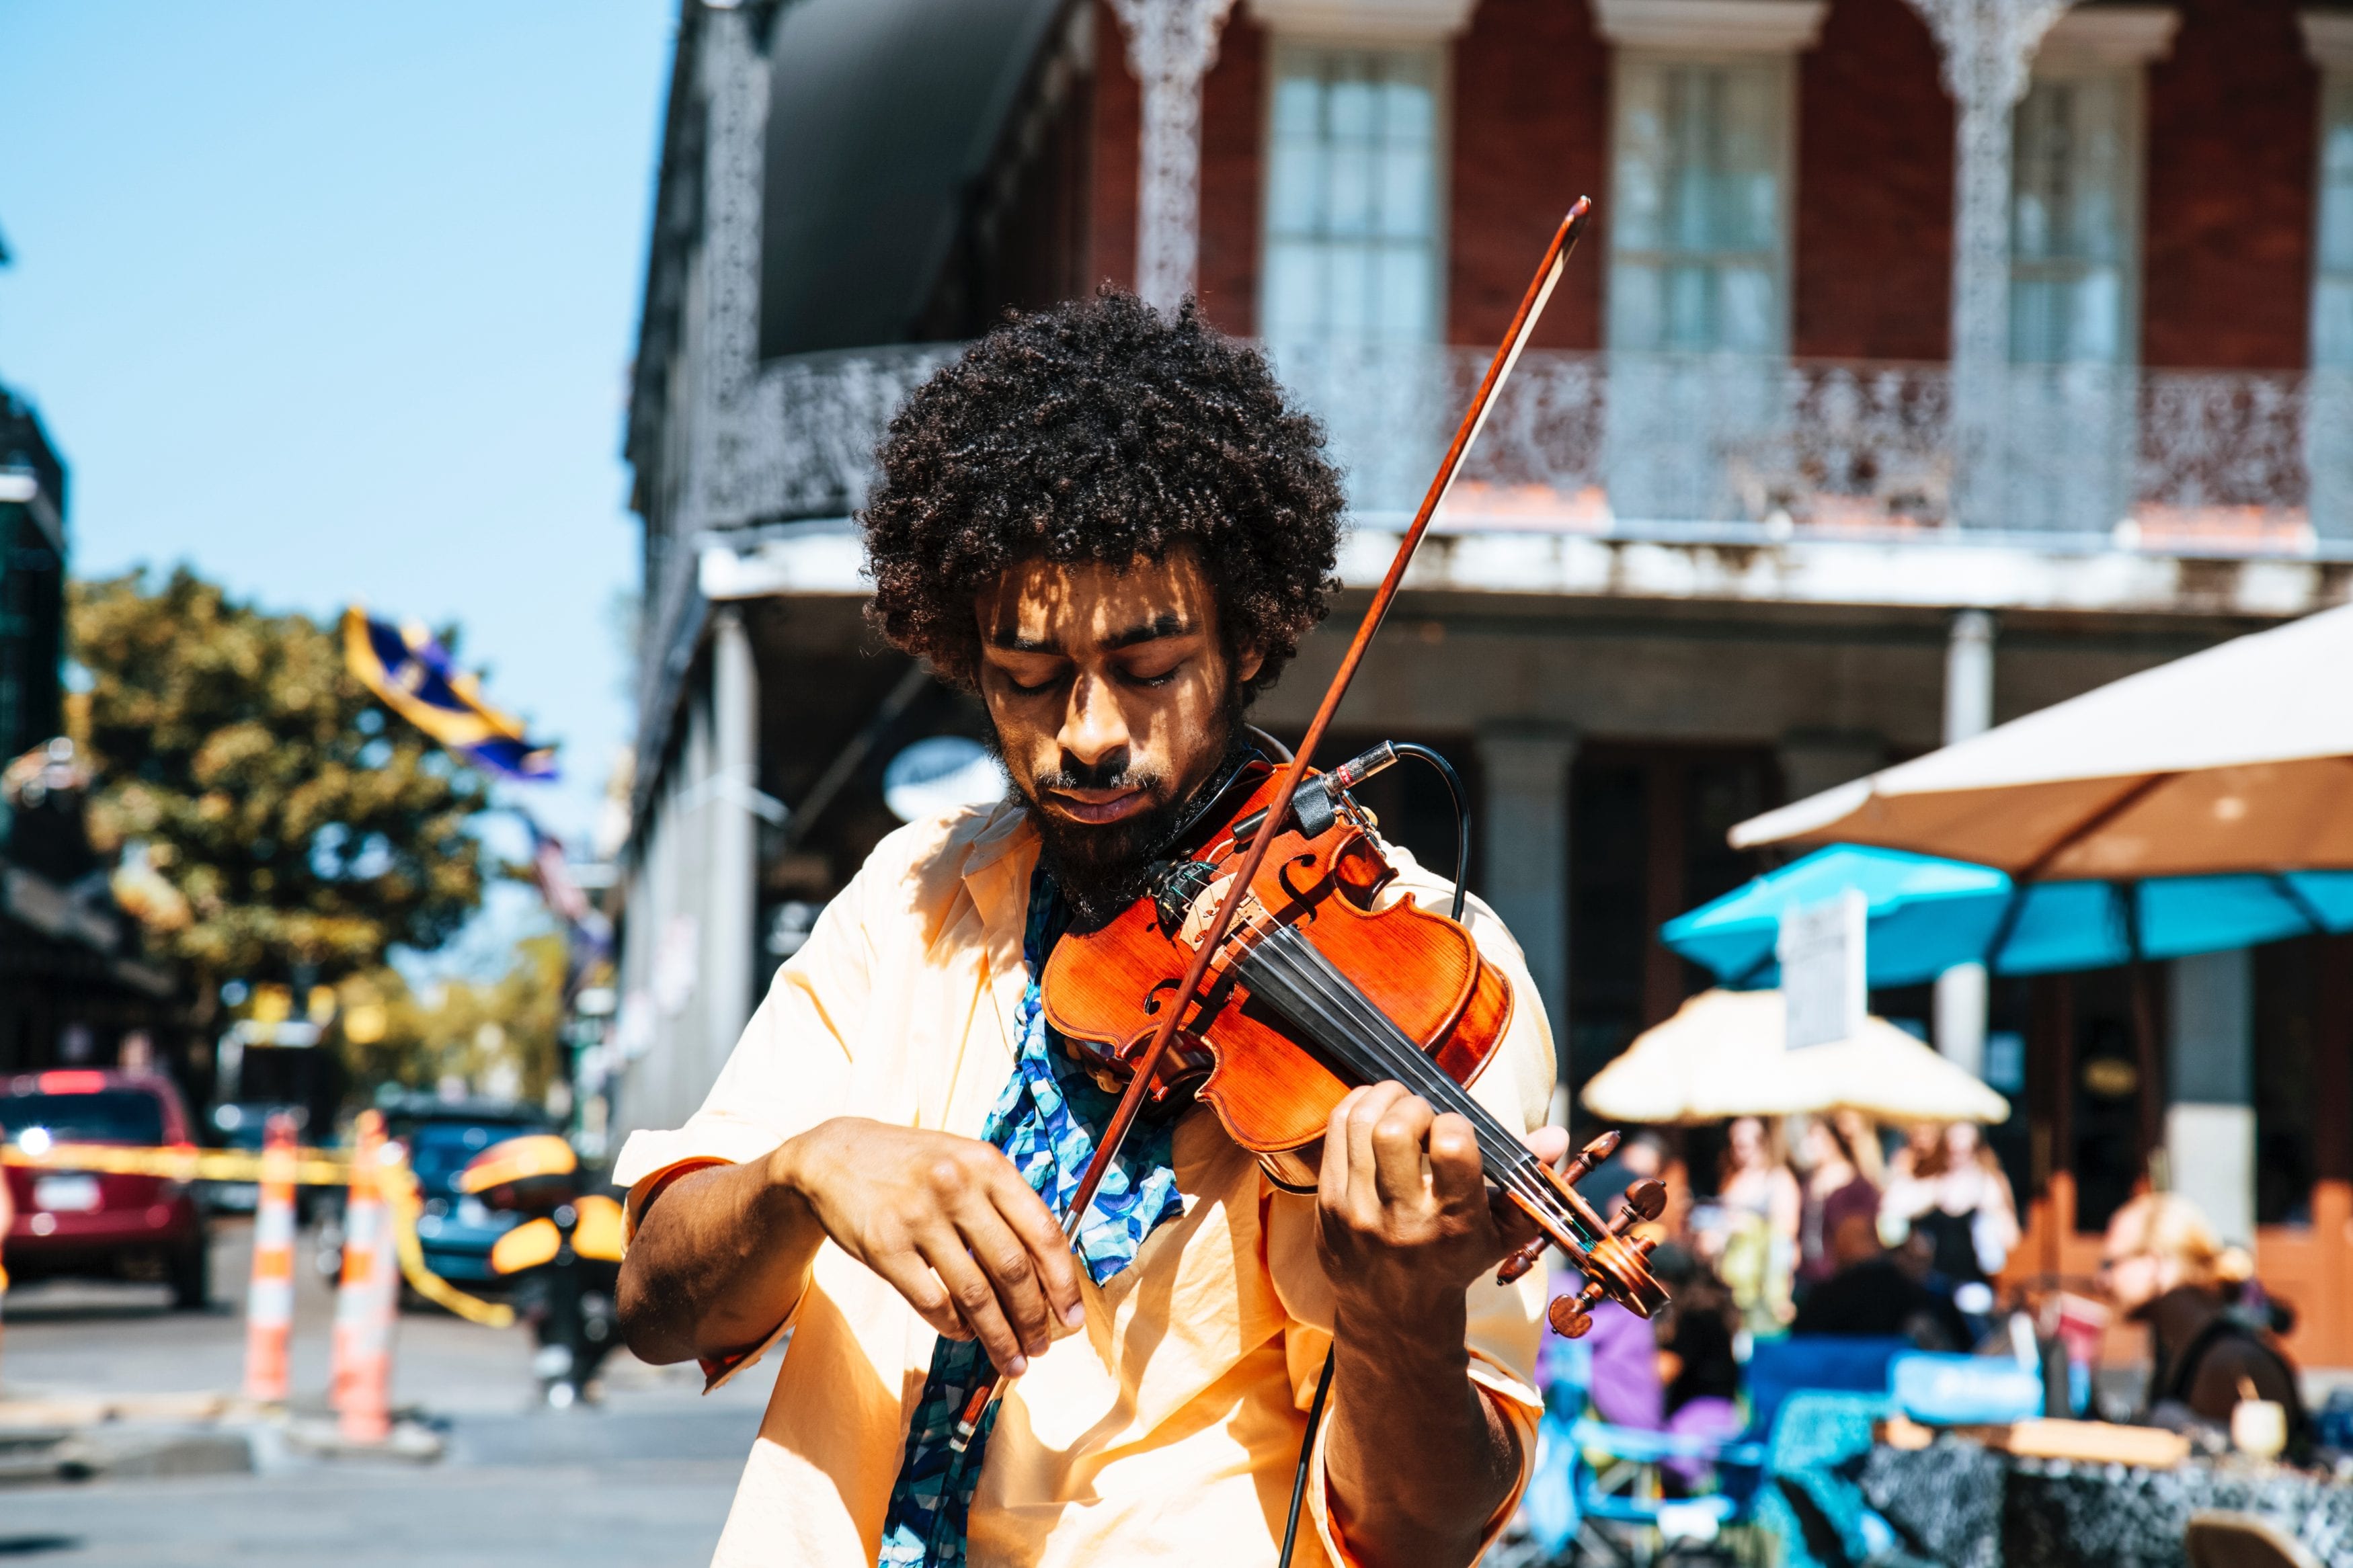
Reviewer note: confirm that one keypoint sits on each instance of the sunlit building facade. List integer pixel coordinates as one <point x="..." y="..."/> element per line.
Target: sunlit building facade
<point x="1909" y="381"/>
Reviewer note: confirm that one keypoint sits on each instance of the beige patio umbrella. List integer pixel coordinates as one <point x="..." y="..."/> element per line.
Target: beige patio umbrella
<point x="2236" y="759"/>
<point x="1721" y="1054"/>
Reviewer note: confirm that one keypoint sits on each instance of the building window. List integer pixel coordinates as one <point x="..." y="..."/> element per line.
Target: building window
<point x="1352" y="211"/>
<point x="1699" y="233"/>
<point x="2332" y="288"/>
<point x="2073" y="219"/>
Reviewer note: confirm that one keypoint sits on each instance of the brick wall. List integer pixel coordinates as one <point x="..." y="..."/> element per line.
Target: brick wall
<point x="1233" y="128"/>
<point x="1233" y="131"/>
<point x="1530" y="136"/>
<point x="2233" y="133"/>
<point x="1872" y="246"/>
<point x="1119" y="120"/>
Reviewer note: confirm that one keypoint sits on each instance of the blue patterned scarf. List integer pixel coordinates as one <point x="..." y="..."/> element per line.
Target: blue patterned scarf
<point x="1045" y="1120"/>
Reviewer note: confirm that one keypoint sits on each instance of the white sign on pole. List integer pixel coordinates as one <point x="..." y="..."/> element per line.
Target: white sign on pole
<point x="1823" y="982"/>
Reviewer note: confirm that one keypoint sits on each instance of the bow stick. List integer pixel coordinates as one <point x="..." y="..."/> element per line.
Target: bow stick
<point x="1474" y="419"/>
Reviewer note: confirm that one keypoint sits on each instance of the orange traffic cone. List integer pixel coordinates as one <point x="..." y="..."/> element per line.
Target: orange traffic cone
<point x="269" y="1300"/>
<point x="369" y="1296"/>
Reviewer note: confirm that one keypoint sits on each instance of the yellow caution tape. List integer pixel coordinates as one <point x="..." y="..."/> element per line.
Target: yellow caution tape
<point x="316" y="1167"/>
<point x="185" y="1163"/>
<point x="407" y="1202"/>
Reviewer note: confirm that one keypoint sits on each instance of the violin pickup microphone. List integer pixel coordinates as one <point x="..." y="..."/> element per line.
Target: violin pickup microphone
<point x="1359" y="768"/>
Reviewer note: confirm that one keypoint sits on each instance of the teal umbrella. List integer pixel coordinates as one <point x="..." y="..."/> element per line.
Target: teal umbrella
<point x="1929" y="914"/>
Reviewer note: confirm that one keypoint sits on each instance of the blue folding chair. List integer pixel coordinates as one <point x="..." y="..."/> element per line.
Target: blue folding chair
<point x="1599" y="1493"/>
<point x="1817" y="1516"/>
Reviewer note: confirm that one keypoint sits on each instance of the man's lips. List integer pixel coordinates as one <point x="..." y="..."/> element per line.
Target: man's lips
<point x="1096" y="806"/>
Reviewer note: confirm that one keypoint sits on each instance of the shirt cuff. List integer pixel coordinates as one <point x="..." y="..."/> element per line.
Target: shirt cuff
<point x="1512" y="1396"/>
<point x="718" y="1369"/>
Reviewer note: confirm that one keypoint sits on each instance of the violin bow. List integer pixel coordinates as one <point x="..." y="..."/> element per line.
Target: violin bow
<point x="1278" y="806"/>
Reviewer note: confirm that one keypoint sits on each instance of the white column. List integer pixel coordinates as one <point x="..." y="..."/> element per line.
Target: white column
<point x="1171" y="45"/>
<point x="732" y="869"/>
<point x="1525" y="828"/>
<point x="2209" y="1122"/>
<point x="1986" y="46"/>
<point x="1960" y="1022"/>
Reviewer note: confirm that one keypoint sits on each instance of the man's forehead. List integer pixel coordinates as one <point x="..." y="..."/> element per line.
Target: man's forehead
<point x="1039" y="603"/>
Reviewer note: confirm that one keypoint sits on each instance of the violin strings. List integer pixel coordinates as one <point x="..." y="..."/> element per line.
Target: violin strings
<point x="1396" y="1056"/>
<point x="1304" y="975"/>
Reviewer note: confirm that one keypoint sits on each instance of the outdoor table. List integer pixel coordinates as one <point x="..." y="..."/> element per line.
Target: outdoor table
<point x="1965" y="1506"/>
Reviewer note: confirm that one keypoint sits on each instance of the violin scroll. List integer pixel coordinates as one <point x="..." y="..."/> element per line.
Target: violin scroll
<point x="1616" y="1265"/>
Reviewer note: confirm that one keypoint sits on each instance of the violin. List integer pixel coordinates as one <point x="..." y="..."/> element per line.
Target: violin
<point x="1316" y="988"/>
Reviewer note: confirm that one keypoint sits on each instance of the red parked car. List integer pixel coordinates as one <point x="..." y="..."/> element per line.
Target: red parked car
<point x="99" y="1224"/>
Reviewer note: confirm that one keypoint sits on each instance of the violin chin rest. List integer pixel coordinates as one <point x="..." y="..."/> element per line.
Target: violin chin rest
<point x="1294" y="1169"/>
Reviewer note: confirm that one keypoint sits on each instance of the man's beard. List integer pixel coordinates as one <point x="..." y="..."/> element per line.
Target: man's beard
<point x="1101" y="868"/>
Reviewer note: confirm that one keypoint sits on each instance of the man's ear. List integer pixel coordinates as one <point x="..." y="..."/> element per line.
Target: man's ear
<point x="1247" y="664"/>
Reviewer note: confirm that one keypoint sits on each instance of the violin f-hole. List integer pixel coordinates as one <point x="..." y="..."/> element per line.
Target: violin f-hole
<point x="1303" y="896"/>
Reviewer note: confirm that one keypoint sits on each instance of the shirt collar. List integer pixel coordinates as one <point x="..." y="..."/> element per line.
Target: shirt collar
<point x="996" y="877"/>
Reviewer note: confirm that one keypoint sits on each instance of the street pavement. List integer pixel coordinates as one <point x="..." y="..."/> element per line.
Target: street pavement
<point x="642" y="1479"/>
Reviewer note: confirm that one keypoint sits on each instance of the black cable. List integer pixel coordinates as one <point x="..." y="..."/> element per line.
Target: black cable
<point x="1462" y="817"/>
<point x="1462" y="888"/>
<point x="1306" y="1452"/>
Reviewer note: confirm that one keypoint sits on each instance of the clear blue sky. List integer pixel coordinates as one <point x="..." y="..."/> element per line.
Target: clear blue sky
<point x="337" y="300"/>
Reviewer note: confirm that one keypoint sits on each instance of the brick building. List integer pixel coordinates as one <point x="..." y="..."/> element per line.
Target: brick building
<point x="1931" y="361"/>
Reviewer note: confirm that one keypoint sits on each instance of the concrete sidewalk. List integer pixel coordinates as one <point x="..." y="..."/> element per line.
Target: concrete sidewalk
<point x="643" y="1478"/>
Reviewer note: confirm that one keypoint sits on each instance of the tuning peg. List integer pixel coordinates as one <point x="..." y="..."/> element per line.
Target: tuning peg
<point x="1521" y="1261"/>
<point x="1645" y="1201"/>
<point x="1591" y="1155"/>
<point x="1571" y="1315"/>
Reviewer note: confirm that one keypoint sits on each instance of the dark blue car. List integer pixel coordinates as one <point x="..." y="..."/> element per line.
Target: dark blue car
<point x="457" y="1231"/>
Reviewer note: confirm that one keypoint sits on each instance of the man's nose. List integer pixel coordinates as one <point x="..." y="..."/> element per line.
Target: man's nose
<point x="1095" y="731"/>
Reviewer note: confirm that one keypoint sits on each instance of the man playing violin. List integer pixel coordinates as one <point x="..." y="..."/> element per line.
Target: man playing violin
<point x="1110" y="525"/>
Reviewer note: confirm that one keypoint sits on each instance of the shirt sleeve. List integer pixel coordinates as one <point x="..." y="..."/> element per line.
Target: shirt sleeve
<point x="789" y="1071"/>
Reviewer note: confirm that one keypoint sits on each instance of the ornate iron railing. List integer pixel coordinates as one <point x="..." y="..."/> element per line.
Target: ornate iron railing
<point x="1629" y="444"/>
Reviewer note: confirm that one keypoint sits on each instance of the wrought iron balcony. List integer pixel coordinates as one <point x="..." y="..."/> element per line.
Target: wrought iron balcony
<point x="2100" y="457"/>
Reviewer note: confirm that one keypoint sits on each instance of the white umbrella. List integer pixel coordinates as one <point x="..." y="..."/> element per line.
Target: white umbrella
<point x="1721" y="1054"/>
<point x="2237" y="758"/>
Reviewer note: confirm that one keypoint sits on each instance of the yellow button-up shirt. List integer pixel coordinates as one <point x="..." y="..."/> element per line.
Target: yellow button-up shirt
<point x="1166" y="1430"/>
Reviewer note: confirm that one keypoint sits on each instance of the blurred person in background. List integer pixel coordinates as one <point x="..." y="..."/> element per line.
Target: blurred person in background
<point x="1873" y="1293"/>
<point x="1835" y="1188"/>
<point x="1862" y="1145"/>
<point x="1751" y="1234"/>
<point x="2161" y="1265"/>
<point x="1695" y="1329"/>
<point x="1947" y="1193"/>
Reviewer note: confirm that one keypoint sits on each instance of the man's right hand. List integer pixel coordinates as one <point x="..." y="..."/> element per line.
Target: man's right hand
<point x="948" y="1222"/>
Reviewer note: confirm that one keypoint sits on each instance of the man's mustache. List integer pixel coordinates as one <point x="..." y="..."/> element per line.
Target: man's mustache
<point x="1111" y="773"/>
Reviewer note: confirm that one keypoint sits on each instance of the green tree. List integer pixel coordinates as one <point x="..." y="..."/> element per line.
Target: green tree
<point x="389" y="1033"/>
<point x="303" y="828"/>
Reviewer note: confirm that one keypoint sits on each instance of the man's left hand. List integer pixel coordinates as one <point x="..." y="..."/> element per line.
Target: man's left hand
<point x="1405" y="1220"/>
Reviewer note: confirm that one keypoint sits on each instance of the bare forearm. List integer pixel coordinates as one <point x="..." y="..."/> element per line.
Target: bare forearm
<point x="1418" y="1460"/>
<point x="717" y="1263"/>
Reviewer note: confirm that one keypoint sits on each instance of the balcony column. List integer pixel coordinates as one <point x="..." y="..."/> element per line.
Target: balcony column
<point x="1171" y="45"/>
<point x="2210" y="1118"/>
<point x="1524" y="828"/>
<point x="1987" y="46"/>
<point x="1961" y="1007"/>
<point x="732" y="869"/>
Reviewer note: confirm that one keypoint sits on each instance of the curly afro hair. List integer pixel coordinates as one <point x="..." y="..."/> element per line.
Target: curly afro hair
<point x="1102" y="430"/>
